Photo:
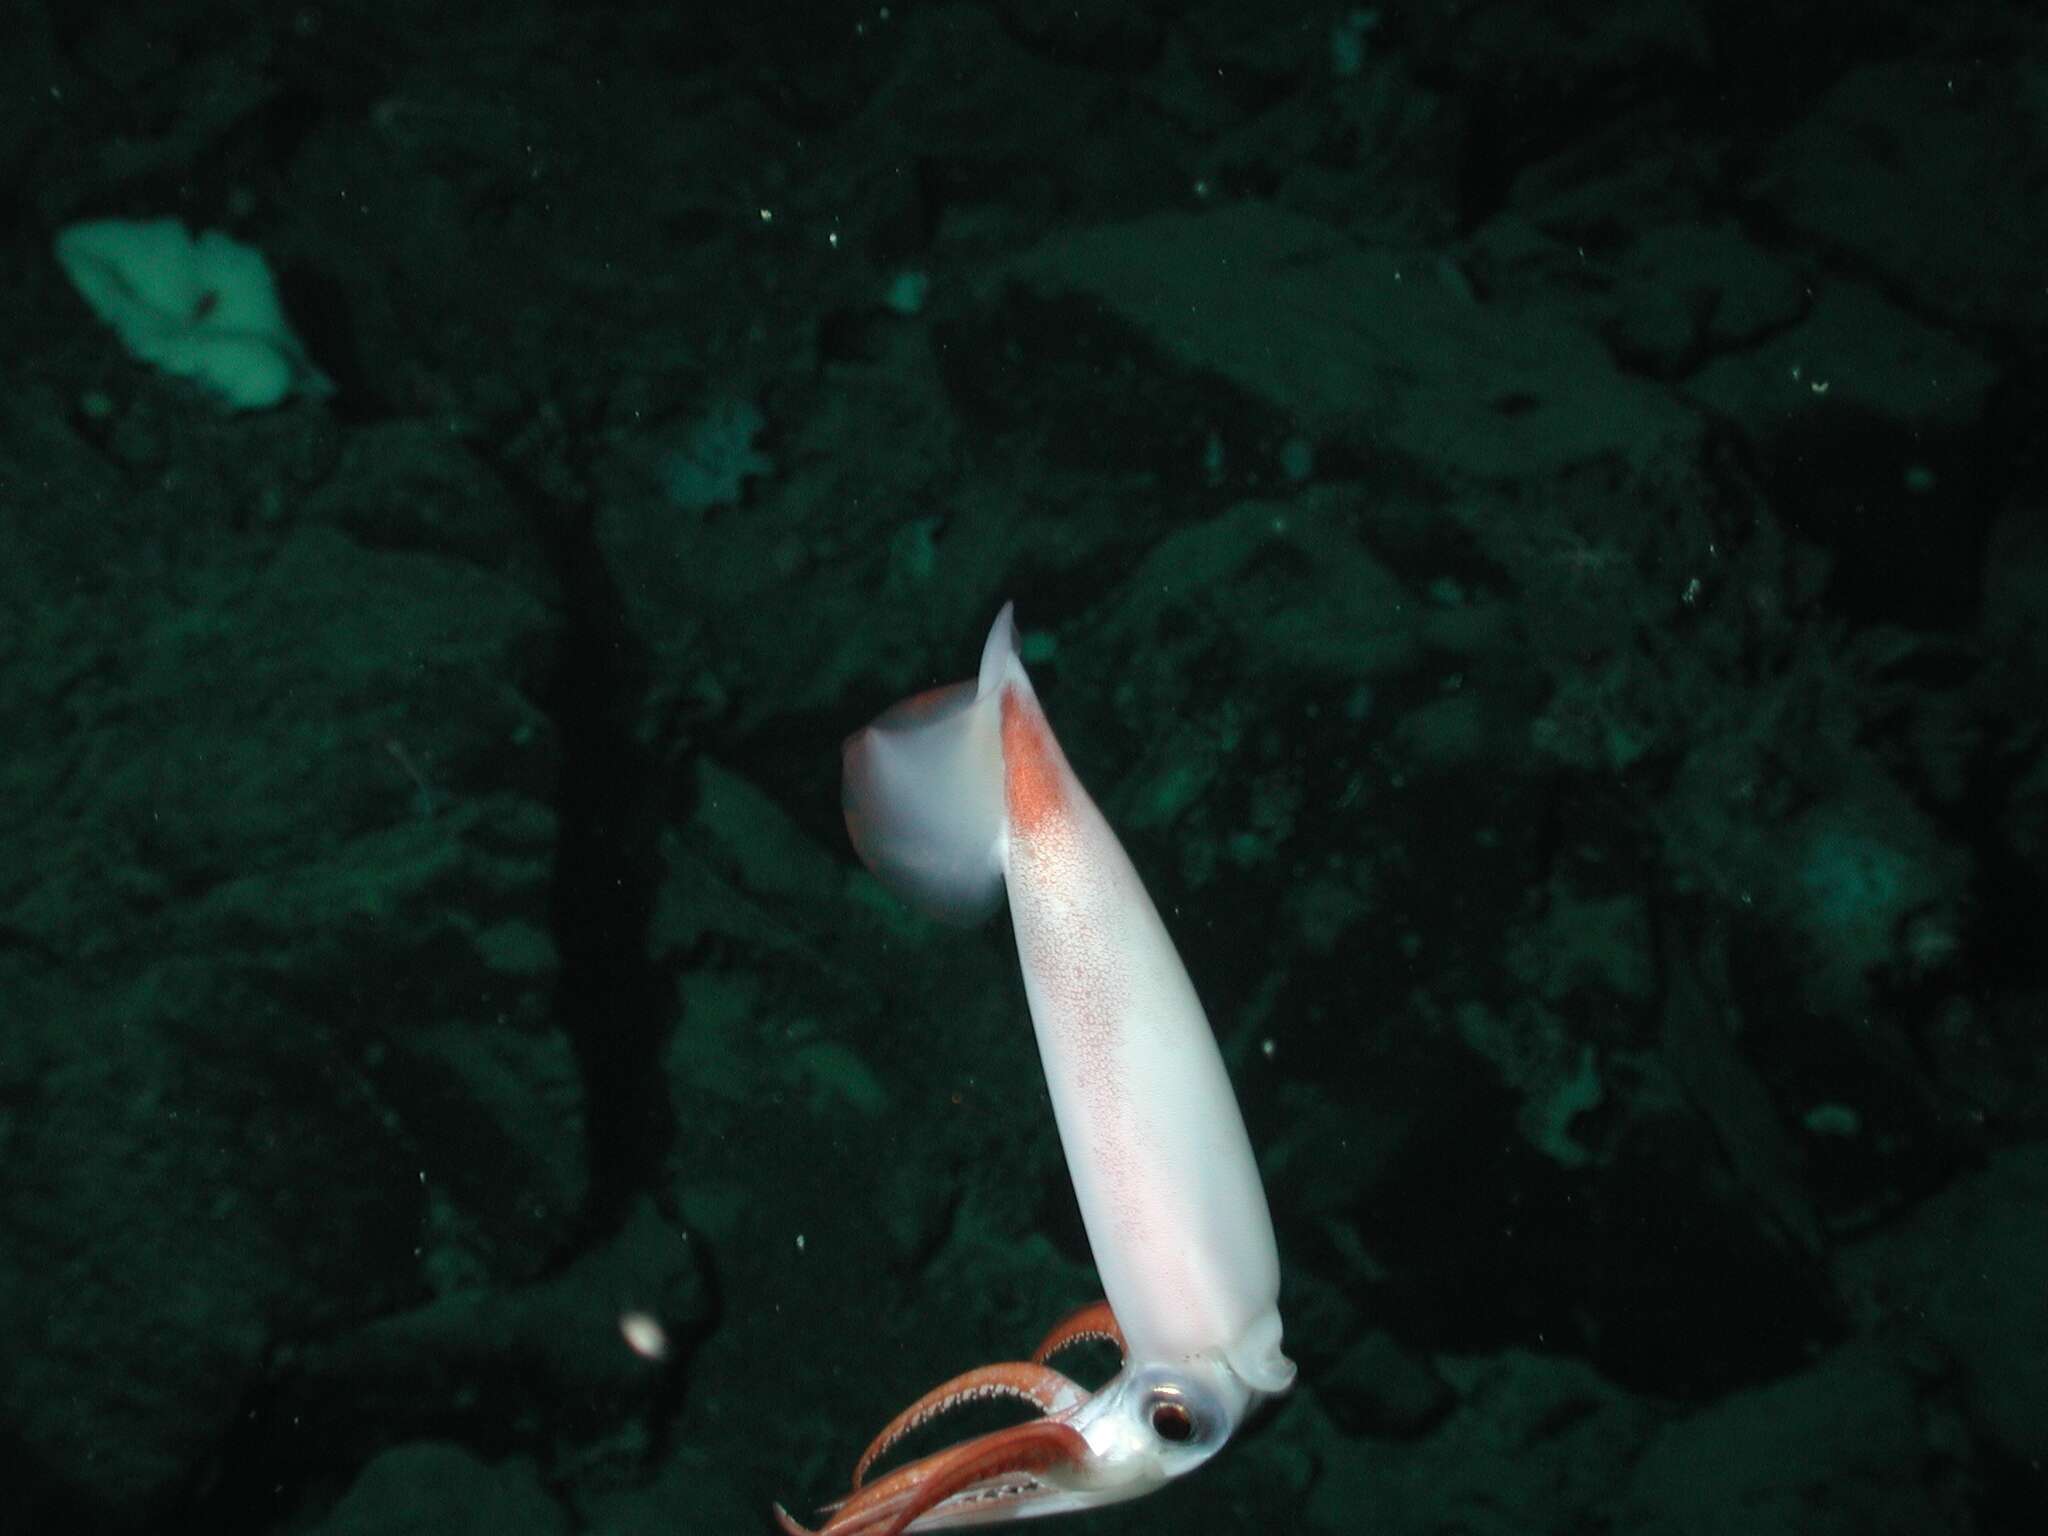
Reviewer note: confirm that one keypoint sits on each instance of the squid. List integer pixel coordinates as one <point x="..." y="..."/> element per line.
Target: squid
<point x="957" y="799"/>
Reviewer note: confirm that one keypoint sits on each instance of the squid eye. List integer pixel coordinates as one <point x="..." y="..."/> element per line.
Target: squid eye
<point x="1172" y="1422"/>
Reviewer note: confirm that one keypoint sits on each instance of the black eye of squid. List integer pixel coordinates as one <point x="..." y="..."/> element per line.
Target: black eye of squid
<point x="1172" y="1422"/>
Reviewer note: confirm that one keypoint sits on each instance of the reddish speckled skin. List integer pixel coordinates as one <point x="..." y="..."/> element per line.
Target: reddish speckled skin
<point x="1158" y="1152"/>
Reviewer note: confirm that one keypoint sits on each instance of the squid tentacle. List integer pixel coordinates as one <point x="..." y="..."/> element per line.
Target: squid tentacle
<point x="1092" y="1324"/>
<point x="887" y="1507"/>
<point x="1030" y="1382"/>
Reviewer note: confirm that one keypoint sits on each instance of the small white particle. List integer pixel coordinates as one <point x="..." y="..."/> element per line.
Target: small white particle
<point x="644" y="1335"/>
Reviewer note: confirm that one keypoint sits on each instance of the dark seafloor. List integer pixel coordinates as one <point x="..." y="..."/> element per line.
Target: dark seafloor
<point x="1532" y="520"/>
